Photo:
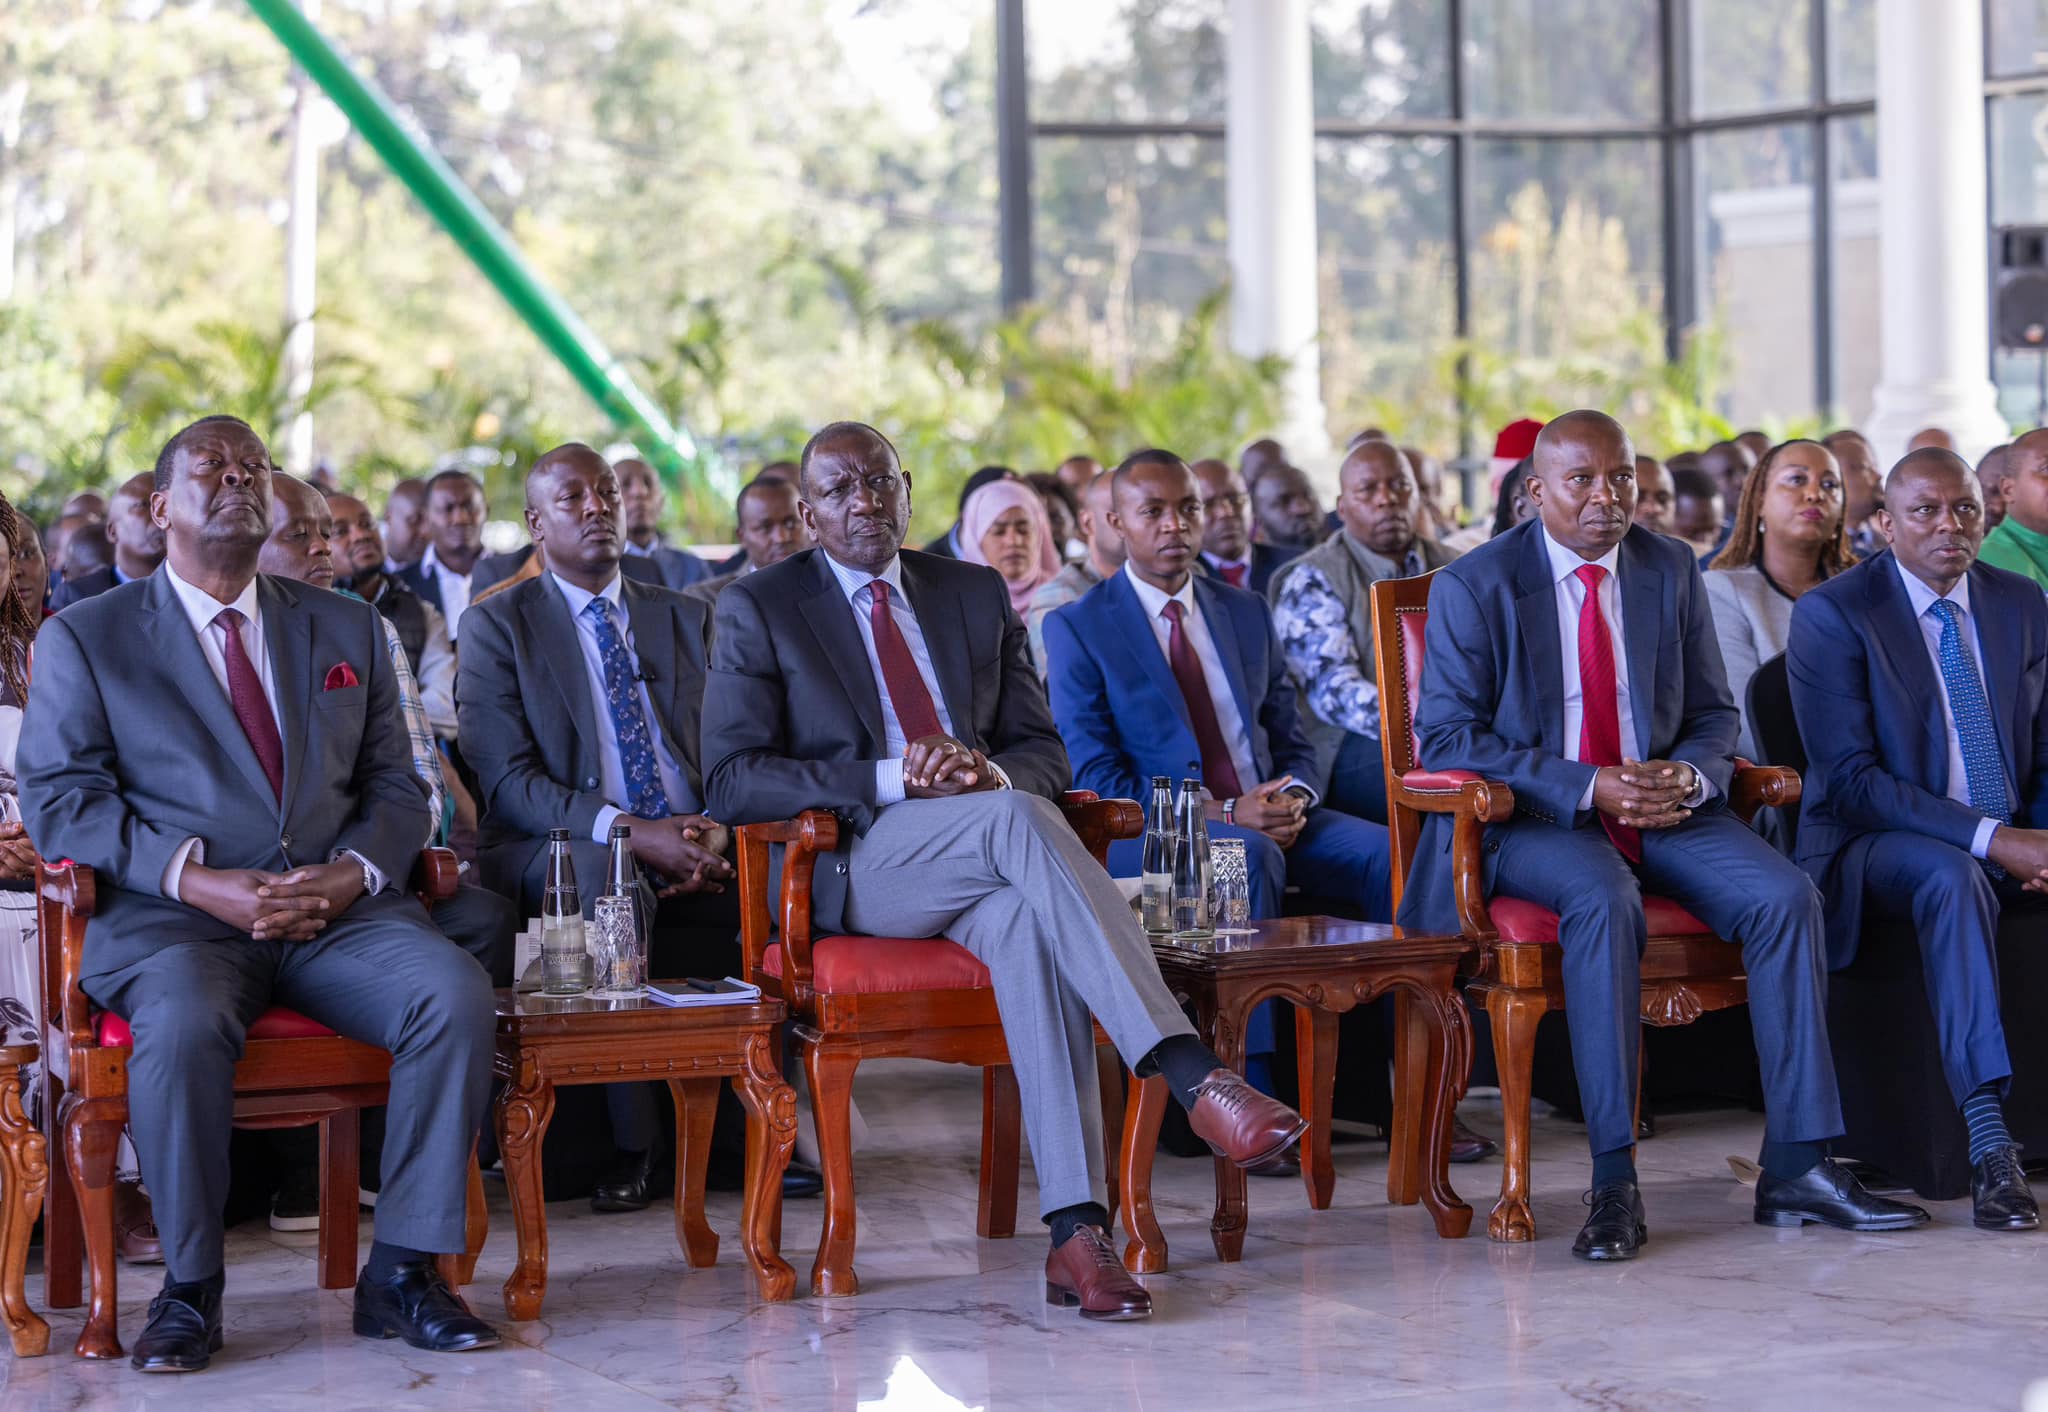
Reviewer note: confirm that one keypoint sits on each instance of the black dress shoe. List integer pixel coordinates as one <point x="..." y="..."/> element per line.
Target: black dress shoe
<point x="2000" y="1199"/>
<point x="799" y="1182"/>
<point x="183" y="1332"/>
<point x="1828" y="1194"/>
<point x="416" y="1305"/>
<point x="626" y="1188"/>
<point x="1614" y="1228"/>
<point x="1468" y="1146"/>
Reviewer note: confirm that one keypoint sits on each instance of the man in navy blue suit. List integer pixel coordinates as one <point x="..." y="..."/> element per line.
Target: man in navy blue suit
<point x="1574" y="658"/>
<point x="1934" y="814"/>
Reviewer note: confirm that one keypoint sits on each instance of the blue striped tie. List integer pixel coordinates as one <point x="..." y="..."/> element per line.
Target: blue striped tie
<point x="1983" y="766"/>
<point x="645" y="796"/>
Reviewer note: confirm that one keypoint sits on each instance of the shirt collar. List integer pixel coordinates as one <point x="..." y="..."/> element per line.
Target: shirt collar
<point x="201" y="607"/>
<point x="1156" y="599"/>
<point x="430" y="564"/>
<point x="579" y="599"/>
<point x="852" y="580"/>
<point x="1922" y="597"/>
<point x="646" y="553"/>
<point x="1564" y="563"/>
<point x="1219" y="562"/>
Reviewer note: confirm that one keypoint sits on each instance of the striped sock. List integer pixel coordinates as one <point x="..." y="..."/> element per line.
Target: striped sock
<point x="1986" y="1119"/>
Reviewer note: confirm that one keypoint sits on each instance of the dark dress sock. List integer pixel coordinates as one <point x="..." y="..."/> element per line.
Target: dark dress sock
<point x="1788" y="1161"/>
<point x="385" y="1259"/>
<point x="1616" y="1166"/>
<point x="1185" y="1061"/>
<point x="1068" y="1219"/>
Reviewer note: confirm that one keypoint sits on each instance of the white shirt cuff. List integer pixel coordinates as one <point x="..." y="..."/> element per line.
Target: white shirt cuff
<point x="192" y="850"/>
<point x="888" y="782"/>
<point x="1002" y="775"/>
<point x="1702" y="790"/>
<point x="1980" y="846"/>
<point x="378" y="882"/>
<point x="601" y="831"/>
<point x="1586" y="799"/>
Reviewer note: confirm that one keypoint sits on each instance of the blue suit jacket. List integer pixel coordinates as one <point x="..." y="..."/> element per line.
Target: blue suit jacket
<point x="1868" y="701"/>
<point x="1492" y="696"/>
<point x="1120" y="710"/>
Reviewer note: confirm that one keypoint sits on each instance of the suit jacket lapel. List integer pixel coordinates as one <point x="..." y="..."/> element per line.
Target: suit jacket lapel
<point x="942" y="617"/>
<point x="177" y="648"/>
<point x="288" y="637"/>
<point x="1536" y="616"/>
<point x="654" y="643"/>
<point x="547" y="616"/>
<point x="1642" y="631"/>
<point x="1223" y="632"/>
<point x="1898" y="639"/>
<point x="831" y="621"/>
<point x="1999" y="644"/>
<point x="1143" y="646"/>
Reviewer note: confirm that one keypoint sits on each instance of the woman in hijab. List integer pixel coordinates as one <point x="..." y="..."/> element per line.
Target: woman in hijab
<point x="1004" y="526"/>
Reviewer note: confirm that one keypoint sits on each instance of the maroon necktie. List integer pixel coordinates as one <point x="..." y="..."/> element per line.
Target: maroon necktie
<point x="1600" y="702"/>
<point x="1217" y="771"/>
<point x="907" y="694"/>
<point x="252" y="707"/>
<point x="1234" y="574"/>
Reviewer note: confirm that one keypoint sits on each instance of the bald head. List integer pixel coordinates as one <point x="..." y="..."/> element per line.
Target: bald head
<point x="855" y="495"/>
<point x="1259" y="457"/>
<point x="1377" y="498"/>
<point x="1582" y="478"/>
<point x="568" y="457"/>
<point x="300" y="545"/>
<point x="1931" y="438"/>
<point x="1934" y="516"/>
<point x="1226" y="510"/>
<point x="1105" y="545"/>
<point x="2022" y="475"/>
<point x="573" y="511"/>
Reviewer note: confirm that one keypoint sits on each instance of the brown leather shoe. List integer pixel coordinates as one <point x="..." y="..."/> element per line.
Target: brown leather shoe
<point x="1468" y="1146"/>
<point x="135" y="1237"/>
<point x="1287" y="1164"/>
<point x="1087" y="1272"/>
<point x="1239" y="1122"/>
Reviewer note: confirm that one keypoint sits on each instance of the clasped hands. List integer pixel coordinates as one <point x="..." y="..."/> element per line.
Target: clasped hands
<point x="293" y="906"/>
<point x="687" y="849"/>
<point x="938" y="767"/>
<point x="1266" y="809"/>
<point x="1645" y="794"/>
<point x="2023" y="853"/>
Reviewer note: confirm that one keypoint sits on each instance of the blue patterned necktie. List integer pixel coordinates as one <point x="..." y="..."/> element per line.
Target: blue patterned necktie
<point x="1983" y="767"/>
<point x="644" y="793"/>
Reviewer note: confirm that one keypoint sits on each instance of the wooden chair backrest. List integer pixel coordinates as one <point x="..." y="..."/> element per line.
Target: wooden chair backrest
<point x="1400" y="613"/>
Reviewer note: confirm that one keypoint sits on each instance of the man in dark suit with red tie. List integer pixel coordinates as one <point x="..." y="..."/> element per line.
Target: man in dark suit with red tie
<point x="1574" y="658"/>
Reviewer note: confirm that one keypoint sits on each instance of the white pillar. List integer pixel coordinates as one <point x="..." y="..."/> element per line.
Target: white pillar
<point x="1933" y="246"/>
<point x="301" y="231"/>
<point x="1270" y="142"/>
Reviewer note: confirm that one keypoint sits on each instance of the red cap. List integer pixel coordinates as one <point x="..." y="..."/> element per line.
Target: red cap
<point x="1516" y="440"/>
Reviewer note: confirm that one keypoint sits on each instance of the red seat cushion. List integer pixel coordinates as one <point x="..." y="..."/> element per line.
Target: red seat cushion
<point x="874" y="965"/>
<point x="274" y="1023"/>
<point x="1517" y="920"/>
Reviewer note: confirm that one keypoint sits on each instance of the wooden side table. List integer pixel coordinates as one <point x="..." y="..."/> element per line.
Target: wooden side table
<point x="1326" y="967"/>
<point x="546" y="1041"/>
<point x="24" y="1175"/>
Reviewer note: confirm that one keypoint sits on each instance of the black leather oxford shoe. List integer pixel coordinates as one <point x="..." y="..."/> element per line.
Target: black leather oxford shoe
<point x="416" y="1305"/>
<point x="1614" y="1228"/>
<point x="183" y="1332"/>
<point x="1828" y="1195"/>
<point x="2000" y="1199"/>
<point x="626" y="1187"/>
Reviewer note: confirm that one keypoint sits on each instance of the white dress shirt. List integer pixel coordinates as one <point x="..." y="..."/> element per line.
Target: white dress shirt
<point x="201" y="609"/>
<point x="1237" y="738"/>
<point x="1923" y="599"/>
<point x="611" y="769"/>
<point x="1571" y="602"/>
<point x="854" y="584"/>
<point x="452" y="587"/>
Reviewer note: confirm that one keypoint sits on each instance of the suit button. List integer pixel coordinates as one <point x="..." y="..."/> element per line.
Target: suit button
<point x="590" y="784"/>
<point x="285" y="840"/>
<point x="842" y="870"/>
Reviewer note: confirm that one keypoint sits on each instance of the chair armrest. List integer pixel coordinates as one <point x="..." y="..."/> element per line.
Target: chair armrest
<point x="1101" y="822"/>
<point x="436" y="875"/>
<point x="1755" y="787"/>
<point x="65" y="898"/>
<point x="803" y="838"/>
<point x="1473" y="801"/>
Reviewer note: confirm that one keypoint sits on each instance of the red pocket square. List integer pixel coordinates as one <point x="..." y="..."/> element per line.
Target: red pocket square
<point x="339" y="675"/>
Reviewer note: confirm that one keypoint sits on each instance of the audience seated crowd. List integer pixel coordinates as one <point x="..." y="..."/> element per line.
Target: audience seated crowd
<point x="344" y="683"/>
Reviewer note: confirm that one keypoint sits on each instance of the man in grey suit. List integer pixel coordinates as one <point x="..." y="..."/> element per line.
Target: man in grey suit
<point x="268" y="867"/>
<point x="897" y="690"/>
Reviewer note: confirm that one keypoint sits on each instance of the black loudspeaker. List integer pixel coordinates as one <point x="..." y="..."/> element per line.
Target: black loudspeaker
<point x="2021" y="309"/>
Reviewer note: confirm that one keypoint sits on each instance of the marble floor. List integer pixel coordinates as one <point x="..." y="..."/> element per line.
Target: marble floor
<point x="1355" y="1305"/>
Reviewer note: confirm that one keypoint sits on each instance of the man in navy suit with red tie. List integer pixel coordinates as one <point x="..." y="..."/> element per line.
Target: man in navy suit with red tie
<point x="1574" y="658"/>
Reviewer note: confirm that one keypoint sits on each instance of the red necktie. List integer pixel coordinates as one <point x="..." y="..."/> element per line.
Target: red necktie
<point x="252" y="707"/>
<point x="907" y="693"/>
<point x="1217" y="771"/>
<point x="1234" y="574"/>
<point x="1600" y="700"/>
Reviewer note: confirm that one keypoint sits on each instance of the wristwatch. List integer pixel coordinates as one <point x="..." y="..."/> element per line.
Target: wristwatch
<point x="1230" y="811"/>
<point x="369" y="873"/>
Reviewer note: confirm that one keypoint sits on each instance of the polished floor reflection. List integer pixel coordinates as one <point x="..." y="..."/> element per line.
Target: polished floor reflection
<point x="1354" y="1305"/>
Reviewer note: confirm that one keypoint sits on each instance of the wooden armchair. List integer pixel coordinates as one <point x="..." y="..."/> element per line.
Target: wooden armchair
<point x="1686" y="969"/>
<point x="24" y="1172"/>
<point x="293" y="1072"/>
<point x="852" y="998"/>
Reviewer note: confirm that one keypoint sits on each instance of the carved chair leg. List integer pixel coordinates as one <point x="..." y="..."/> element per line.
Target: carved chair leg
<point x="830" y="1071"/>
<point x="696" y="1103"/>
<point x="24" y="1172"/>
<point x="1437" y="1019"/>
<point x="1002" y="1121"/>
<point x="1514" y="1015"/>
<point x="771" y="1135"/>
<point x="1145" y="1253"/>
<point x="92" y="1134"/>
<point x="1109" y="1075"/>
<point x="340" y="1171"/>
<point x="63" y="1235"/>
<point x="1226" y="1024"/>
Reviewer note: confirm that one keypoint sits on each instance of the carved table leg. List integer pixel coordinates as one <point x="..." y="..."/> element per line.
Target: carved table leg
<point x="1315" y="1048"/>
<point x="24" y="1173"/>
<point x="1002" y="1120"/>
<point x="1224" y="1021"/>
<point x="1406" y="1141"/>
<point x="340" y="1175"/>
<point x="1438" y="1015"/>
<point x="1514" y="1015"/>
<point x="771" y="1136"/>
<point x="1145" y="1253"/>
<point x="524" y="1109"/>
<point x="830" y="1071"/>
<point x="696" y="1103"/>
<point x="92" y="1132"/>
